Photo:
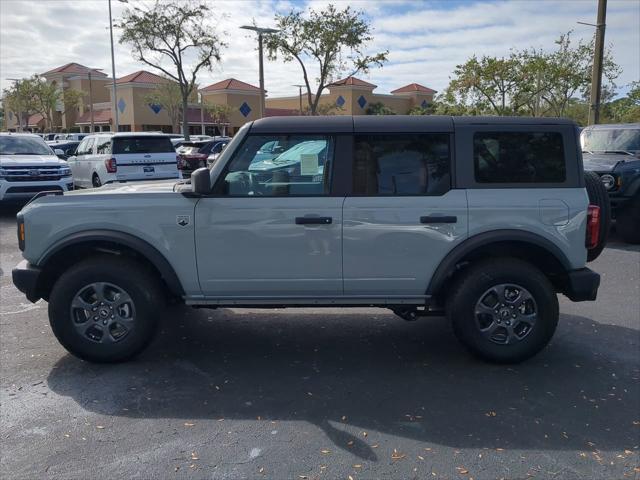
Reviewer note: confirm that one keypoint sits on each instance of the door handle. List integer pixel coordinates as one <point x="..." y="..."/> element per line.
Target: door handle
<point x="439" y="219"/>
<point x="313" y="220"/>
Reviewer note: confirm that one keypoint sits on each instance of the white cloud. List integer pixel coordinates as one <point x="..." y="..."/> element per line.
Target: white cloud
<point x="425" y="39"/>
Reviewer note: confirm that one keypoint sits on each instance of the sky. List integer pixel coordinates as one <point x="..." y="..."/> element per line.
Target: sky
<point x="425" y="39"/>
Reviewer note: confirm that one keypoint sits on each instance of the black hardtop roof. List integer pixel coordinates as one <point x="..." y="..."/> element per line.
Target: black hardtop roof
<point x="388" y="123"/>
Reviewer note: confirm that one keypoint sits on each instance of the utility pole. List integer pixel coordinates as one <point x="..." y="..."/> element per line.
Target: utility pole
<point x="300" y="95"/>
<point x="260" y="31"/>
<point x="596" y="74"/>
<point x="114" y="108"/>
<point x="201" y="114"/>
<point x="93" y="129"/>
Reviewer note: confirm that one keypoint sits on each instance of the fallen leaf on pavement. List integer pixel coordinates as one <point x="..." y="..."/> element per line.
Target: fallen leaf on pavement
<point x="187" y="424"/>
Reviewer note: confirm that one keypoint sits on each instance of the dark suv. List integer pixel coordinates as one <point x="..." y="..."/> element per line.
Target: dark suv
<point x="613" y="152"/>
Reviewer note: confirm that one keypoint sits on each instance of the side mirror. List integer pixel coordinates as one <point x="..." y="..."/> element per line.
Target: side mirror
<point x="58" y="151"/>
<point x="201" y="181"/>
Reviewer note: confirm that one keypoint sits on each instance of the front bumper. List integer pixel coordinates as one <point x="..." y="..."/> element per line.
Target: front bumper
<point x="25" y="278"/>
<point x="23" y="191"/>
<point x="581" y="285"/>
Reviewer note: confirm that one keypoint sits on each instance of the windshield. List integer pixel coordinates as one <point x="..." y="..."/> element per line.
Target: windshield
<point x="611" y="140"/>
<point x="22" y="145"/>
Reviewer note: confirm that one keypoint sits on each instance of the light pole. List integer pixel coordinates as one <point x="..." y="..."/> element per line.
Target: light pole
<point x="201" y="114"/>
<point x="260" y="31"/>
<point x="300" y="95"/>
<point x="93" y="128"/>
<point x="114" y="108"/>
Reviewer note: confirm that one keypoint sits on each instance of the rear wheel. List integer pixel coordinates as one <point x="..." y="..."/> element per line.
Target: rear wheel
<point x="105" y="309"/>
<point x="503" y="310"/>
<point x="598" y="196"/>
<point x="628" y="222"/>
<point x="95" y="181"/>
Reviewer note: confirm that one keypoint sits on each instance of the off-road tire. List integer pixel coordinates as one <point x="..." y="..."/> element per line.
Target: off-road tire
<point x="598" y="196"/>
<point x="136" y="280"/>
<point x="474" y="282"/>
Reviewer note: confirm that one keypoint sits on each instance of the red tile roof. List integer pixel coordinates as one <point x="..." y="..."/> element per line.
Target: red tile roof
<point x="351" y="81"/>
<point x="142" y="76"/>
<point x="34" y="120"/>
<point x="99" y="116"/>
<point x="230" y="84"/>
<point x="74" y="68"/>
<point x="414" y="87"/>
<point x="281" y="112"/>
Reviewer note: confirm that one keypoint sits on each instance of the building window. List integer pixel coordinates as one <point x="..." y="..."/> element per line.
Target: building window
<point x="412" y="164"/>
<point x="124" y="128"/>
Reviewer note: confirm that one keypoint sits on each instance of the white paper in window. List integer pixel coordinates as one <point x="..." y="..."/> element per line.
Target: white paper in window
<point x="309" y="164"/>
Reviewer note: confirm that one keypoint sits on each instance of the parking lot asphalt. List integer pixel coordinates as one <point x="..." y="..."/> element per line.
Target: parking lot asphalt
<point x="313" y="393"/>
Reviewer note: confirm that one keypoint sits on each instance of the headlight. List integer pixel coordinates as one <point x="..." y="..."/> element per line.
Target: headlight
<point x="608" y="181"/>
<point x="65" y="172"/>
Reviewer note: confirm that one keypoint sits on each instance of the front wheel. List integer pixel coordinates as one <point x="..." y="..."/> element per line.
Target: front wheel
<point x="503" y="310"/>
<point x="105" y="309"/>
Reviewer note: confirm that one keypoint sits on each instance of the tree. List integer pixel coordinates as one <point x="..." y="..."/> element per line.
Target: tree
<point x="18" y="99"/>
<point x="220" y="114"/>
<point x="569" y="73"/>
<point x="169" y="96"/>
<point x="379" y="108"/>
<point x="173" y="32"/>
<point x="528" y="82"/>
<point x="334" y="40"/>
<point x="48" y="96"/>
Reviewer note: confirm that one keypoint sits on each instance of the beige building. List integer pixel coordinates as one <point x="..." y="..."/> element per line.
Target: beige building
<point x="350" y="96"/>
<point x="91" y="82"/>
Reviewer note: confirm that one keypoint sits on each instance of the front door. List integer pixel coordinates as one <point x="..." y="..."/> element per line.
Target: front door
<point x="403" y="216"/>
<point x="271" y="228"/>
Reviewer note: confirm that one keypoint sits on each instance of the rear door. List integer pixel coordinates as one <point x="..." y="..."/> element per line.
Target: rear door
<point x="144" y="157"/>
<point x="403" y="216"/>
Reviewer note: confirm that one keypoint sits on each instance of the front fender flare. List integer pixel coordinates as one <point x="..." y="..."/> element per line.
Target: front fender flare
<point x="140" y="246"/>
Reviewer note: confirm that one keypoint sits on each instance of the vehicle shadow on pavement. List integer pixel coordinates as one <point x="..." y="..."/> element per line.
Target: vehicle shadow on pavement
<point x="371" y="372"/>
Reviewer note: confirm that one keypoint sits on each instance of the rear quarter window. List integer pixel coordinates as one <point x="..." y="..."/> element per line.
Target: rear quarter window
<point x="519" y="157"/>
<point x="126" y="145"/>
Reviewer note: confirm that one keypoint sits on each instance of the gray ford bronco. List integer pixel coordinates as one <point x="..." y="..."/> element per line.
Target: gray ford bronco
<point x="484" y="220"/>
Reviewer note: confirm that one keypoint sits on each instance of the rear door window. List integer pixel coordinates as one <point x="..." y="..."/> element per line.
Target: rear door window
<point x="140" y="144"/>
<point x="403" y="164"/>
<point x="519" y="157"/>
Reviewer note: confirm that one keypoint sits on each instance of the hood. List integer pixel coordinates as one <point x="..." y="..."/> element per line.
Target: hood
<point x="30" y="160"/>
<point x="604" y="162"/>
<point x="161" y="186"/>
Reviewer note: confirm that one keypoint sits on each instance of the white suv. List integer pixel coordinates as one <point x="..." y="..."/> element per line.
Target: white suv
<point x="29" y="166"/>
<point x="106" y="158"/>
